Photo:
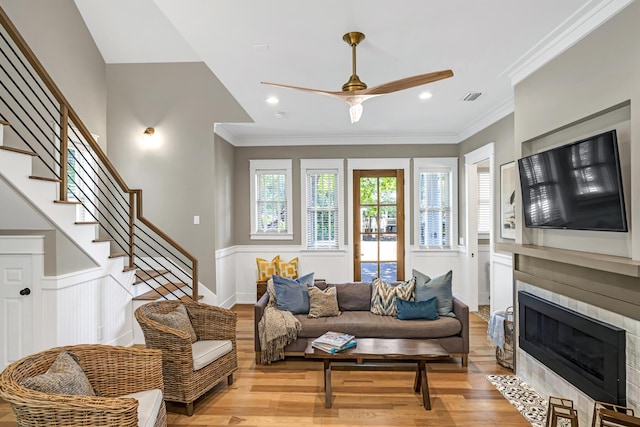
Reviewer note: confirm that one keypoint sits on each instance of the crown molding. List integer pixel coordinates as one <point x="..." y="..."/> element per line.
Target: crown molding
<point x="297" y="140"/>
<point x="502" y="110"/>
<point x="224" y="133"/>
<point x="589" y="17"/>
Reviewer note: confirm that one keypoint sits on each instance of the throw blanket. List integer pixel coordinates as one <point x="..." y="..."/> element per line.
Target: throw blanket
<point x="277" y="328"/>
<point x="495" y="331"/>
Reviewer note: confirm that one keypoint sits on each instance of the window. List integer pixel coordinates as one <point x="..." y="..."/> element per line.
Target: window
<point x="484" y="202"/>
<point x="322" y="202"/>
<point x="436" y="192"/>
<point x="270" y="194"/>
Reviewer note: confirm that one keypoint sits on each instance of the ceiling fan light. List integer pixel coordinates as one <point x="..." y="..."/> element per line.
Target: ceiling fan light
<point x="355" y="112"/>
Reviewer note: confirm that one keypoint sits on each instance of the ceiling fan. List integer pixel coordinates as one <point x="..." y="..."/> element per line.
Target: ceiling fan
<point x="355" y="92"/>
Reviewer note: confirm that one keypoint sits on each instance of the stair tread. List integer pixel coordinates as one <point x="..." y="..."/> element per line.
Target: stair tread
<point x="163" y="290"/>
<point x="44" y="178"/>
<point x="188" y="298"/>
<point x="17" y="150"/>
<point x="106" y="239"/>
<point x="118" y="255"/>
<point x="128" y="268"/>
<point x="144" y="275"/>
<point x="86" y="223"/>
<point x="67" y="202"/>
<point x="4" y="123"/>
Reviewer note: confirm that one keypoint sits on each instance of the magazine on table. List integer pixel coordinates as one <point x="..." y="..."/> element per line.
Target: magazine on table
<point x="333" y="341"/>
<point x="333" y="350"/>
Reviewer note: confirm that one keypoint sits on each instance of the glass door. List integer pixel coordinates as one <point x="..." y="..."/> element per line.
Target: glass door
<point x="378" y="225"/>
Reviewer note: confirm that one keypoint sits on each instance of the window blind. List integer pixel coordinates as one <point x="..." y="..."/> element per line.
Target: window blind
<point x="484" y="202"/>
<point x="322" y="196"/>
<point x="435" y="207"/>
<point x="271" y="202"/>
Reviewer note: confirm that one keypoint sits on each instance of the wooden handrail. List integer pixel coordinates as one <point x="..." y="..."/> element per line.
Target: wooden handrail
<point x="183" y="251"/>
<point x="4" y="123"/>
<point x="57" y="93"/>
<point x="68" y="114"/>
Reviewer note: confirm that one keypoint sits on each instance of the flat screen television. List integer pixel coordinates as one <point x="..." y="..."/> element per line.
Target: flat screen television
<point x="577" y="186"/>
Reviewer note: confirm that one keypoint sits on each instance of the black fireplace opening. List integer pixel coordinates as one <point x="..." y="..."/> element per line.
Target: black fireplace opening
<point x="588" y="353"/>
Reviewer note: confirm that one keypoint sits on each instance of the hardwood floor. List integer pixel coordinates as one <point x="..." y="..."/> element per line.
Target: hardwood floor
<point x="290" y="393"/>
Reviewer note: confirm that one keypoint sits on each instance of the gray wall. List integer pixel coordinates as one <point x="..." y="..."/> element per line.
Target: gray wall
<point x="241" y="207"/>
<point x="59" y="37"/>
<point x="182" y="101"/>
<point x="596" y="74"/>
<point x="501" y="134"/>
<point x="224" y="154"/>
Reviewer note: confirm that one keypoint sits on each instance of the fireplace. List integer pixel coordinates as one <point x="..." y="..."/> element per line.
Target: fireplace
<point x="586" y="352"/>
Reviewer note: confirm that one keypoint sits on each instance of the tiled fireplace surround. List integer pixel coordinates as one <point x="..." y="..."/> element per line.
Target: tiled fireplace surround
<point x="556" y="283"/>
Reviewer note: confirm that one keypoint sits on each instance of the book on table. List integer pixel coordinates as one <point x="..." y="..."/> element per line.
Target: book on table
<point x="333" y="342"/>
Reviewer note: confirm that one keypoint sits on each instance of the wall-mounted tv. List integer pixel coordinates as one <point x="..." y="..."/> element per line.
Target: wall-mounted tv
<point x="577" y="186"/>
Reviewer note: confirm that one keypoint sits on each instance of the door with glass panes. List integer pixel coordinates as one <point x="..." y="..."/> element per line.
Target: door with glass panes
<point x="378" y="224"/>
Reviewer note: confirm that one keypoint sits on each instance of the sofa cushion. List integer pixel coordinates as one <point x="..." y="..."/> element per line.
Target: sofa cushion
<point x="266" y="269"/>
<point x="439" y="287"/>
<point x="177" y="319"/>
<point x="369" y="325"/>
<point x="323" y="303"/>
<point x="411" y="310"/>
<point x="149" y="403"/>
<point x="288" y="269"/>
<point x="206" y="351"/>
<point x="292" y="294"/>
<point x="383" y="296"/>
<point x="354" y="296"/>
<point x="65" y="376"/>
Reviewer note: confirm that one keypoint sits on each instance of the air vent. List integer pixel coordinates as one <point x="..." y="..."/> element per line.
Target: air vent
<point x="471" y="96"/>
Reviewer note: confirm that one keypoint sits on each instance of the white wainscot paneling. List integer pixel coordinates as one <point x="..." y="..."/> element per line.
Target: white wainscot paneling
<point x="236" y="270"/>
<point x="435" y="263"/>
<point x="502" y="285"/>
<point x="484" y="265"/>
<point x="89" y="307"/>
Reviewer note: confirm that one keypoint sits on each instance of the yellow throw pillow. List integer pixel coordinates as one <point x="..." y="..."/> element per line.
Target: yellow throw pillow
<point x="288" y="269"/>
<point x="266" y="269"/>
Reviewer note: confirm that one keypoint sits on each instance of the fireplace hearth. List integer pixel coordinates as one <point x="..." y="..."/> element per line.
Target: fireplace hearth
<point x="588" y="353"/>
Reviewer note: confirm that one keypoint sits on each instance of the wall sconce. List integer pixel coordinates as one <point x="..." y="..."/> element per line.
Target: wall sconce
<point x="148" y="132"/>
<point x="150" y="139"/>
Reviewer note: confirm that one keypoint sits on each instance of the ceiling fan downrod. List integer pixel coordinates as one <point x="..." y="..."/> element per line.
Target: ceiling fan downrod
<point x="354" y="83"/>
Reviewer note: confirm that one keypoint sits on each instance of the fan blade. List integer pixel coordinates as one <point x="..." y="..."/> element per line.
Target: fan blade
<point x="305" y="89"/>
<point x="407" y="83"/>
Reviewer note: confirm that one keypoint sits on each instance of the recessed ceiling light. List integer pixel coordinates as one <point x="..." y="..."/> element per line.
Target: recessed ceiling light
<point x="425" y="95"/>
<point x="272" y="100"/>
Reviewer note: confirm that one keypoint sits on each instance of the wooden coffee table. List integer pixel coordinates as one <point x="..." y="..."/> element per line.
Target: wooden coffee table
<point x="378" y="349"/>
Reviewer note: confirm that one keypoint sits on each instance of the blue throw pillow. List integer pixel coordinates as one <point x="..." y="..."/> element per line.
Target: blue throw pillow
<point x="292" y="294"/>
<point x="408" y="310"/>
<point x="439" y="287"/>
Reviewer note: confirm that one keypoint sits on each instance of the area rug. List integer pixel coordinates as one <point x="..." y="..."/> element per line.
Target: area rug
<point x="525" y="399"/>
<point x="483" y="312"/>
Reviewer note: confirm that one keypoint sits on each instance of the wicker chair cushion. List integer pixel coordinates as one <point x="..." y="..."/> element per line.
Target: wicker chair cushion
<point x="323" y="303"/>
<point x="206" y="351"/>
<point x="176" y="319"/>
<point x="65" y="376"/>
<point x="149" y="402"/>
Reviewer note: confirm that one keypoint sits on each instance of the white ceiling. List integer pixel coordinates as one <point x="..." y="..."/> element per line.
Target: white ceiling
<point x="488" y="44"/>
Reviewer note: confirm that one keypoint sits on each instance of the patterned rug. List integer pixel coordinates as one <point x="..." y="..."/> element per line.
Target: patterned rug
<point x="483" y="312"/>
<point x="523" y="397"/>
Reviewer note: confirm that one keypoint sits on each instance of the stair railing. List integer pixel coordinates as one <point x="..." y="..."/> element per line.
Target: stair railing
<point x="43" y="121"/>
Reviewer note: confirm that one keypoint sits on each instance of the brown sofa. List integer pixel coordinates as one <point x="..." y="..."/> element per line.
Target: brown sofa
<point x="354" y="302"/>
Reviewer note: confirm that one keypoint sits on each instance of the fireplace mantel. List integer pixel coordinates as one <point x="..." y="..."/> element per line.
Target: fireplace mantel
<point x="609" y="263"/>
<point x="605" y="281"/>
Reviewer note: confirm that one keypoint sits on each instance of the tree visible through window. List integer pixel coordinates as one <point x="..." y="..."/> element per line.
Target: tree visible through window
<point x="271" y="203"/>
<point x="434" y="203"/>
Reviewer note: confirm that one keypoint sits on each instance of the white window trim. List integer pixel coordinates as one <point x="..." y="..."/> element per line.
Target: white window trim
<point x="419" y="165"/>
<point x="319" y="164"/>
<point x="275" y="165"/>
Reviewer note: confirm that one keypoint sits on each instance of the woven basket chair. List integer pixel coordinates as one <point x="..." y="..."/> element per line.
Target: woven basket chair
<point x="112" y="371"/>
<point x="182" y="383"/>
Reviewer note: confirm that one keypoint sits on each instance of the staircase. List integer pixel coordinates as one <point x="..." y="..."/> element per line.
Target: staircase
<point x="49" y="157"/>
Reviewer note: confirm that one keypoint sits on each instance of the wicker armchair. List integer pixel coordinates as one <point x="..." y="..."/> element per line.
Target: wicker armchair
<point x="183" y="383"/>
<point x="112" y="372"/>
